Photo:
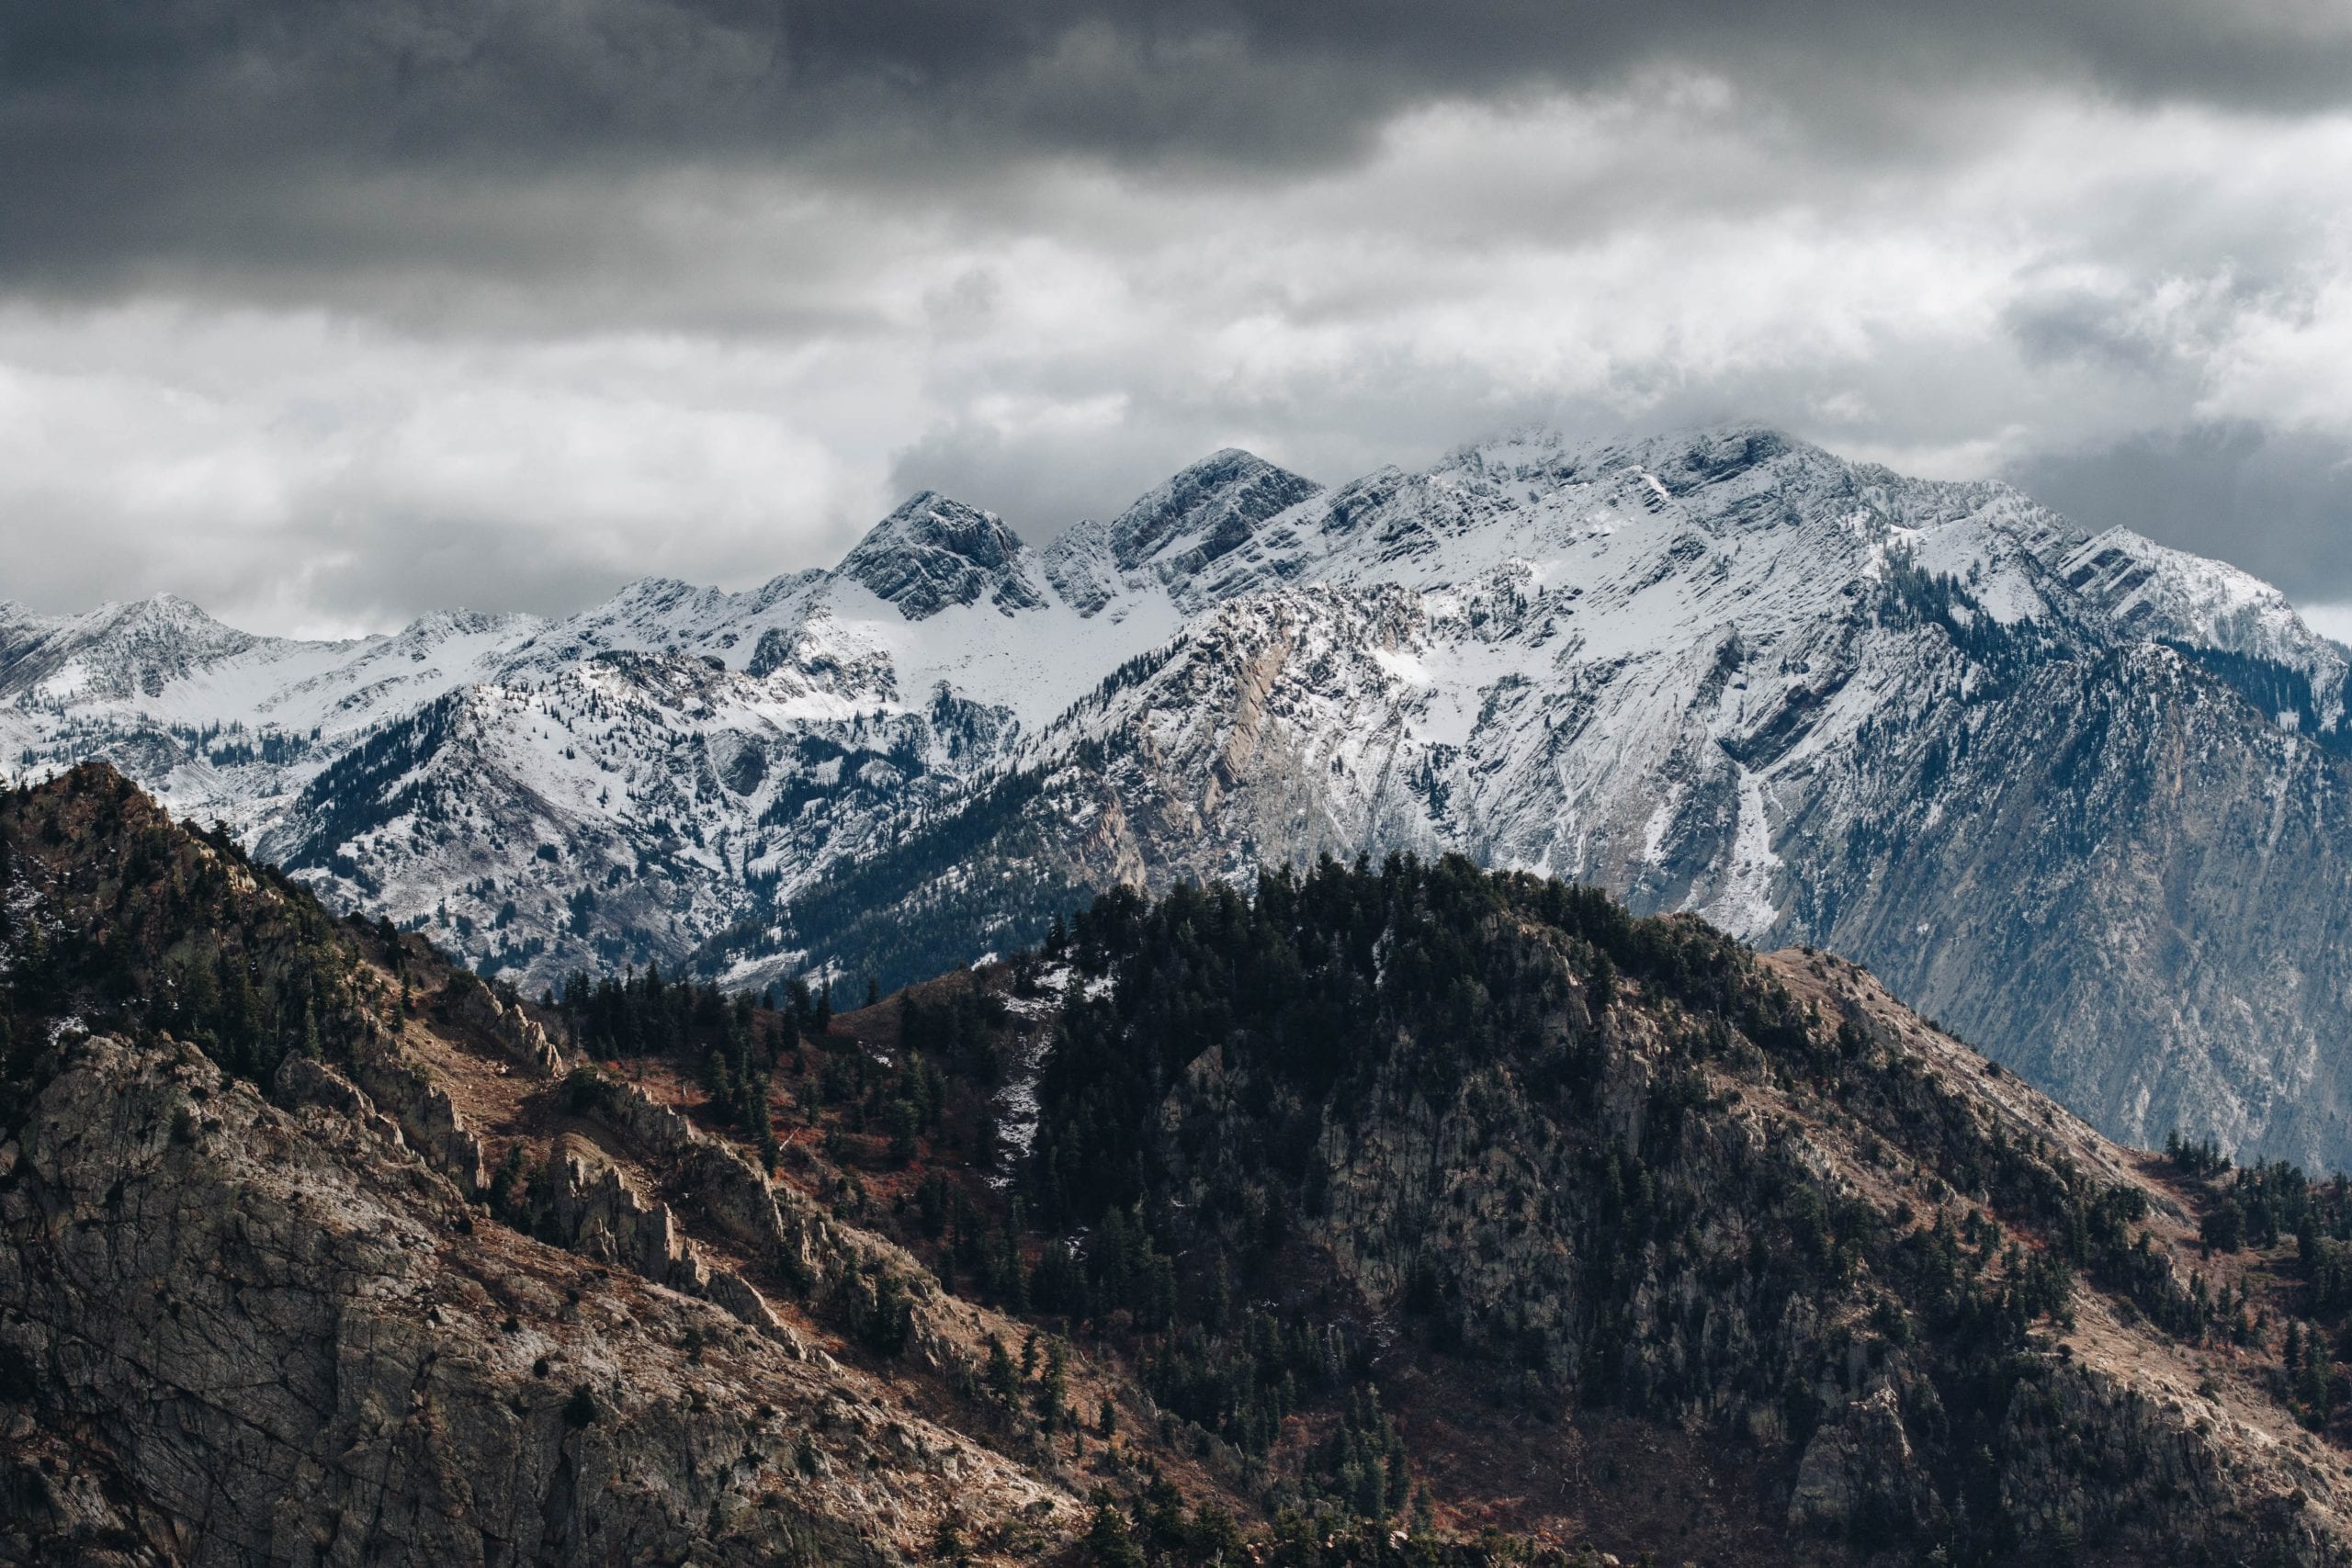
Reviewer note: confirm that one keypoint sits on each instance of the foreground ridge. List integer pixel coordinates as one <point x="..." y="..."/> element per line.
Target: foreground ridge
<point x="1339" y="1223"/>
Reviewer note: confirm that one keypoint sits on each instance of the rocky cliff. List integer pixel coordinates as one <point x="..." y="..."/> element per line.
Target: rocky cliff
<point x="256" y="1307"/>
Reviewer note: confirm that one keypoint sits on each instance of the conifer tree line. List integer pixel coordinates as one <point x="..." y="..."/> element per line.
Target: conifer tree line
<point x="2265" y="1208"/>
<point x="735" y="1042"/>
<point x="1315" y="996"/>
<point x="112" y="915"/>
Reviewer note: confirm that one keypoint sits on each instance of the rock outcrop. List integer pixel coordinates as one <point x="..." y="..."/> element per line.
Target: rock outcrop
<point x="594" y="1211"/>
<point x="266" y="1335"/>
<point x="427" y="1115"/>
<point x="773" y="1224"/>
<point x="521" y="1039"/>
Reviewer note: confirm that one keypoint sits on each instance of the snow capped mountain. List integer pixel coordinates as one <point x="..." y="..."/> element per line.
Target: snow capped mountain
<point x="1603" y="663"/>
<point x="226" y="723"/>
<point x="2030" y="776"/>
<point x="1203" y="515"/>
<point x="116" y="652"/>
<point x="932" y="553"/>
<point x="2210" y="607"/>
<point x="1729" y="674"/>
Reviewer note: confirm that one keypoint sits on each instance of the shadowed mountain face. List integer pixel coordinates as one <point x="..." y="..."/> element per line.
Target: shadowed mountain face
<point x="315" y="1253"/>
<point x="1417" y="1216"/>
<point x="2083" y="797"/>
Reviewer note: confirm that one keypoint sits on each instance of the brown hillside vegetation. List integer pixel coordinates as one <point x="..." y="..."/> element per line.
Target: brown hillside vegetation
<point x="1395" y="1215"/>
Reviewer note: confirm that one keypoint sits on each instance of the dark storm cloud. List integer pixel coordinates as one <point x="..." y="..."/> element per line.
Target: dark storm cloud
<point x="324" y="313"/>
<point x="141" y="135"/>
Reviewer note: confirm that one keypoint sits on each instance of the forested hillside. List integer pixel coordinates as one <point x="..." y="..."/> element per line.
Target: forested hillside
<point x="1396" y="1215"/>
<point x="1571" y="1165"/>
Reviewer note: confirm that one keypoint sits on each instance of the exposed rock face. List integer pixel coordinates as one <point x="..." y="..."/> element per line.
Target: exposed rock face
<point x="239" y="1327"/>
<point x="1860" y="1466"/>
<point x="771" y="1223"/>
<point x="1204" y="514"/>
<point x="268" y="1336"/>
<point x="524" y="1041"/>
<point x="729" y="1290"/>
<point x="594" y="1211"/>
<point x="934" y="553"/>
<point x="2172" y="955"/>
<point x="2216" y="609"/>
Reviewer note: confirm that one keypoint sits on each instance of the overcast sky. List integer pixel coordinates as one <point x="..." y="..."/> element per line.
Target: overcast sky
<point x="324" y="314"/>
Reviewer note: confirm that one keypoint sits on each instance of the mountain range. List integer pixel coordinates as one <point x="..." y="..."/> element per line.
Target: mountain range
<point x="2082" y="797"/>
<point x="1414" y="1216"/>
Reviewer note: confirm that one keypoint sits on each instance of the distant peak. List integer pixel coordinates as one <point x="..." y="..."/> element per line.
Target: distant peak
<point x="1680" y="459"/>
<point x="165" y="607"/>
<point x="164" y="616"/>
<point x="928" y="520"/>
<point x="935" y="551"/>
<point x="1742" y="444"/>
<point x="1738" y="430"/>
<point x="436" y="624"/>
<point x="1227" y="459"/>
<point x="1213" y="504"/>
<point x="656" y="589"/>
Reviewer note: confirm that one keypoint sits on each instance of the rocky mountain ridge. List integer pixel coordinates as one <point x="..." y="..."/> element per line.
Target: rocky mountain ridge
<point x="266" y="1299"/>
<point x="1723" y="671"/>
<point x="1379" y="1217"/>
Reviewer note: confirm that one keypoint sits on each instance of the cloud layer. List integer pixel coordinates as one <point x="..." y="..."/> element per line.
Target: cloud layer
<point x="328" y="314"/>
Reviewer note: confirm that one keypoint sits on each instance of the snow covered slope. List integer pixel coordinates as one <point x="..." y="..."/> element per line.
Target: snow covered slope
<point x="1730" y="674"/>
<point x="2237" y="620"/>
<point x="626" y="784"/>
<point x="2036" y="778"/>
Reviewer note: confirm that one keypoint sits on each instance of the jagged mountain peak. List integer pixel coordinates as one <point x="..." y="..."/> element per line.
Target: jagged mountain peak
<point x="1730" y="475"/>
<point x="2209" y="605"/>
<point x="1205" y="511"/>
<point x="935" y="552"/>
<point x="1591" y="513"/>
<point x="930" y="519"/>
<point x="121" y="648"/>
<point x="439" y="626"/>
<point x="166" y="612"/>
<point x="664" y="593"/>
<point x="166" y="604"/>
<point x="1683" y="459"/>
